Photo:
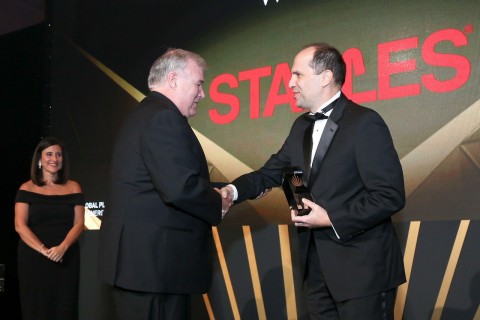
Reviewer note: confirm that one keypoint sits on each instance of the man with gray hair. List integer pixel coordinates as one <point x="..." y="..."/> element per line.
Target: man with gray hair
<point x="156" y="242"/>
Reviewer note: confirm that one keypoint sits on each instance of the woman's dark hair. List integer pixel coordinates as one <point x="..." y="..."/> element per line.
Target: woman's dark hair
<point x="36" y="172"/>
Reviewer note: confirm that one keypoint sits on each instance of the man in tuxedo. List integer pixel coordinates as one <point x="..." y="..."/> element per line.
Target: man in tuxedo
<point x="156" y="242"/>
<point x="349" y="251"/>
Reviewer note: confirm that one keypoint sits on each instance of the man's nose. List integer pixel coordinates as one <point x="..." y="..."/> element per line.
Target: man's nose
<point x="291" y="83"/>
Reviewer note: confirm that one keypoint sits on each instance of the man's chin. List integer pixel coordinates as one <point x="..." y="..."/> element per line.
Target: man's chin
<point x="299" y="104"/>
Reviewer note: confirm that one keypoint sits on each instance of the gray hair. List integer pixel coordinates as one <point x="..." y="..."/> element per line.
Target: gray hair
<point x="172" y="60"/>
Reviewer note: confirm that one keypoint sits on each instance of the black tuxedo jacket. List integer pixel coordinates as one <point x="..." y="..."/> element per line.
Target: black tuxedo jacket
<point x="357" y="177"/>
<point x="156" y="232"/>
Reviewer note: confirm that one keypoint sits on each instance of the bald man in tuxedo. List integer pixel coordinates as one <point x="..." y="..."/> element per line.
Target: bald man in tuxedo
<point x="349" y="250"/>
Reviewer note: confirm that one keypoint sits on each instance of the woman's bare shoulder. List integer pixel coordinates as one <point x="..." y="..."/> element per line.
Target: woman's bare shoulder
<point x="28" y="186"/>
<point x="73" y="186"/>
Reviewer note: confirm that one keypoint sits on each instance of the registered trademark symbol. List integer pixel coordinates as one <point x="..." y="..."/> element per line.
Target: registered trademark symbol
<point x="468" y="29"/>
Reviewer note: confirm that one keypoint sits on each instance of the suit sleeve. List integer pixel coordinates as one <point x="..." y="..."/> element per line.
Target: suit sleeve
<point x="178" y="168"/>
<point x="252" y="184"/>
<point x="382" y="193"/>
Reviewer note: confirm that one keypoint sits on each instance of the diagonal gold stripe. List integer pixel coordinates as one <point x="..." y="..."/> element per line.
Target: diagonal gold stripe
<point x="477" y="314"/>
<point x="209" y="306"/>
<point x="422" y="161"/>
<point x="252" y="262"/>
<point x="226" y="275"/>
<point x="470" y="156"/>
<point x="287" y="271"/>
<point x="408" y="257"/>
<point x="223" y="161"/>
<point x="449" y="272"/>
<point x="131" y="90"/>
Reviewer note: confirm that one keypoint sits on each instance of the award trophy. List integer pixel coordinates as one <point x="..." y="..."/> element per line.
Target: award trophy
<point x="295" y="190"/>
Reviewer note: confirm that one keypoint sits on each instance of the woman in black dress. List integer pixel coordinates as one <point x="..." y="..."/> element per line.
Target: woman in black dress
<point x="49" y="217"/>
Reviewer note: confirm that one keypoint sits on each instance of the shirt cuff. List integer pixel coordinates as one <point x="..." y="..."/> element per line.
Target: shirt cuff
<point x="338" y="237"/>
<point x="235" y="192"/>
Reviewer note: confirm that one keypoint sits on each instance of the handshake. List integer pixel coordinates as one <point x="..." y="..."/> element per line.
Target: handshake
<point x="229" y="195"/>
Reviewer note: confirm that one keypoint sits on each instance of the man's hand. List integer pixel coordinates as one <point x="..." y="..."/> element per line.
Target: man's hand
<point x="264" y="193"/>
<point x="318" y="217"/>
<point x="227" y="199"/>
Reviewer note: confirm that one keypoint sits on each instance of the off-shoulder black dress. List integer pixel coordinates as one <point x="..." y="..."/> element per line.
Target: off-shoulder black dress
<point x="49" y="290"/>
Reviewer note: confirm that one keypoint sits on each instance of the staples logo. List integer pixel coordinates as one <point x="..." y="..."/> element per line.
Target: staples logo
<point x="266" y="1"/>
<point x="387" y="68"/>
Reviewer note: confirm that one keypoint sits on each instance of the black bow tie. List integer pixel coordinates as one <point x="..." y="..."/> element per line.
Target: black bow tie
<point x="322" y="114"/>
<point x="317" y="116"/>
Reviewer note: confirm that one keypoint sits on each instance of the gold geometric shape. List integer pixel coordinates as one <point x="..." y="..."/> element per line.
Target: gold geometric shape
<point x="408" y="257"/>
<point x="450" y="271"/>
<point x="252" y="263"/>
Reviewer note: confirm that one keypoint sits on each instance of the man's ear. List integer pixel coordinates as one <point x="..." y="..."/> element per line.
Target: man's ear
<point x="172" y="80"/>
<point x="327" y="78"/>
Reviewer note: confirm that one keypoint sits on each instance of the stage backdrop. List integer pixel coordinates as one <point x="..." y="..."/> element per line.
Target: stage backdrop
<point x="417" y="63"/>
